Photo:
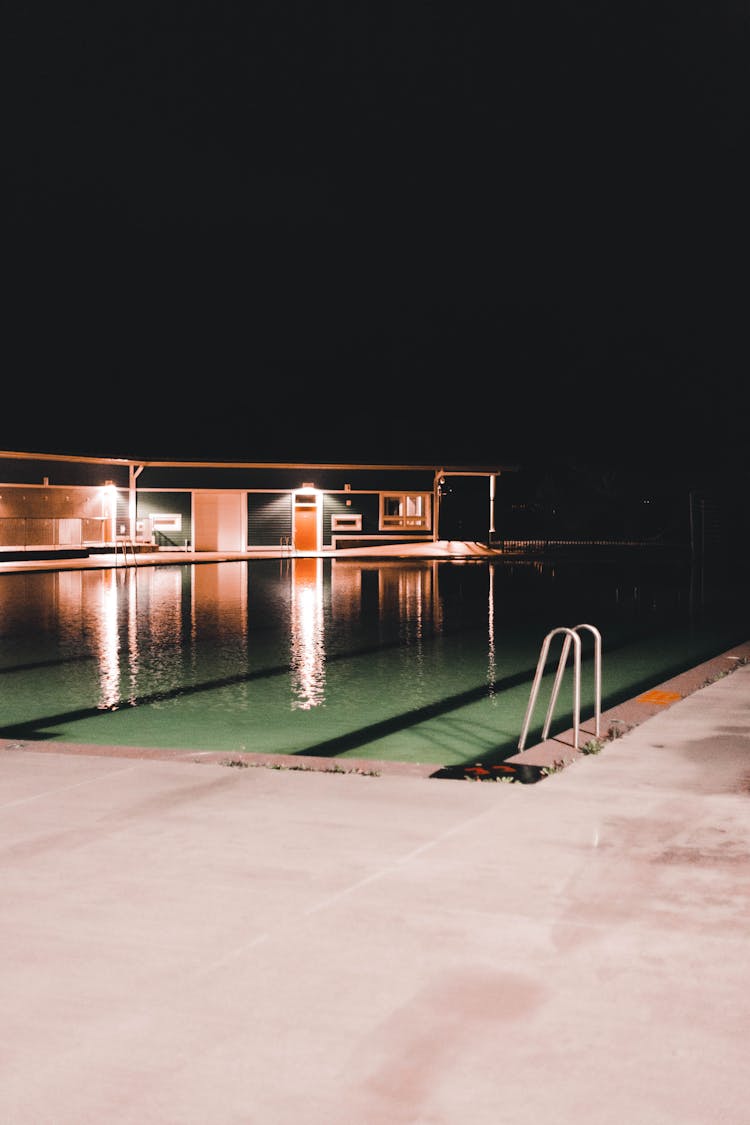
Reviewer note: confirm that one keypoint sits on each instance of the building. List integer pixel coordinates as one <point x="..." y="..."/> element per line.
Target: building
<point x="77" y="505"/>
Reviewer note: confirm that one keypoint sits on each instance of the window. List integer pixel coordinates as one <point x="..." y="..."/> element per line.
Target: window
<point x="350" y="522"/>
<point x="402" y="510"/>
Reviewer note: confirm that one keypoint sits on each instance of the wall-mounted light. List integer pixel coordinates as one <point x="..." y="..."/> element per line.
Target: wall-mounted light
<point x="306" y="495"/>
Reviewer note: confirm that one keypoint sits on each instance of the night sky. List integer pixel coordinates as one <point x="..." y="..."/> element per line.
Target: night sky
<point x="376" y="231"/>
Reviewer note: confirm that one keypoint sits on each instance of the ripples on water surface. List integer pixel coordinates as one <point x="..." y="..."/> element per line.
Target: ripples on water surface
<point x="425" y="660"/>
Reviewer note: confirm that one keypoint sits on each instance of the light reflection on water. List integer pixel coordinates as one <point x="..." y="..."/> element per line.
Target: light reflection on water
<point x="491" y="665"/>
<point x="307" y="634"/>
<point x="427" y="659"/>
<point x="108" y="643"/>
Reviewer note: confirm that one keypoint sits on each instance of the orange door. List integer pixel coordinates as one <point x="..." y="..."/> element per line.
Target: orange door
<point x="306" y="527"/>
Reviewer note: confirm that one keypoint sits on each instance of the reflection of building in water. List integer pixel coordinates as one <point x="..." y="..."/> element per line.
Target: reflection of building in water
<point x="403" y="597"/>
<point x="160" y="591"/>
<point x="108" y="647"/>
<point x="153" y="604"/>
<point x="307" y="634"/>
<point x="491" y="665"/>
<point x="346" y="589"/>
<point x="139" y="622"/>
<point x="219" y="601"/>
<point x="131" y="607"/>
<point x="65" y="592"/>
<point x="405" y="593"/>
<point x="163" y="595"/>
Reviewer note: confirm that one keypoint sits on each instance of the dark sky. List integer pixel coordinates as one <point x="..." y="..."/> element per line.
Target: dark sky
<point x="401" y="231"/>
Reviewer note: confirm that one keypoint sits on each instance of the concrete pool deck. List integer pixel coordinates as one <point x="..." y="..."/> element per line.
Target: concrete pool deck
<point x="15" y="563"/>
<point x="186" y="942"/>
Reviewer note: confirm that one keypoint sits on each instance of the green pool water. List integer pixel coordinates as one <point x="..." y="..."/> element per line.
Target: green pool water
<point x="418" y="660"/>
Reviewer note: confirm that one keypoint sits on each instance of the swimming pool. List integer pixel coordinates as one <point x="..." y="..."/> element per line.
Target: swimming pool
<point x="421" y="660"/>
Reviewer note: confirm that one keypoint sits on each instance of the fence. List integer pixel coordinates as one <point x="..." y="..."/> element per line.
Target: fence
<point x="553" y="546"/>
<point x="27" y="533"/>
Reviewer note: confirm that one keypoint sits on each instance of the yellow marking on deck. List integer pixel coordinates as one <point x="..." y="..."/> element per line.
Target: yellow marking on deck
<point x="657" y="696"/>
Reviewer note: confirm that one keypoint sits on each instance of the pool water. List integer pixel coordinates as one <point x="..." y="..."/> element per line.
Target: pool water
<point x="419" y="660"/>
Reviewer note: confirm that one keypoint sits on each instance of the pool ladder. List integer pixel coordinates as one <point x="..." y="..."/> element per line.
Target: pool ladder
<point x="571" y="637"/>
<point x="125" y="545"/>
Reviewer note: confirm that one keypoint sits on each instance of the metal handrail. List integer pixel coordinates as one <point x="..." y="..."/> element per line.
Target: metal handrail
<point x="571" y="636"/>
<point x="123" y="543"/>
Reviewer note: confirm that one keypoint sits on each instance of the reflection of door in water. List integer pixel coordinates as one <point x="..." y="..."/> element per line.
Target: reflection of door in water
<point x="306" y="525"/>
<point x="308" y="666"/>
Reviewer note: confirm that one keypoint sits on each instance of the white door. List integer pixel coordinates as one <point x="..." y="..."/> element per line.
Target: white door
<point x="219" y="521"/>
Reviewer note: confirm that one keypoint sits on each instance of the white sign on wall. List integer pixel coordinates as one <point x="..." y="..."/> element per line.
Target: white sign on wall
<point x="166" y="521"/>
